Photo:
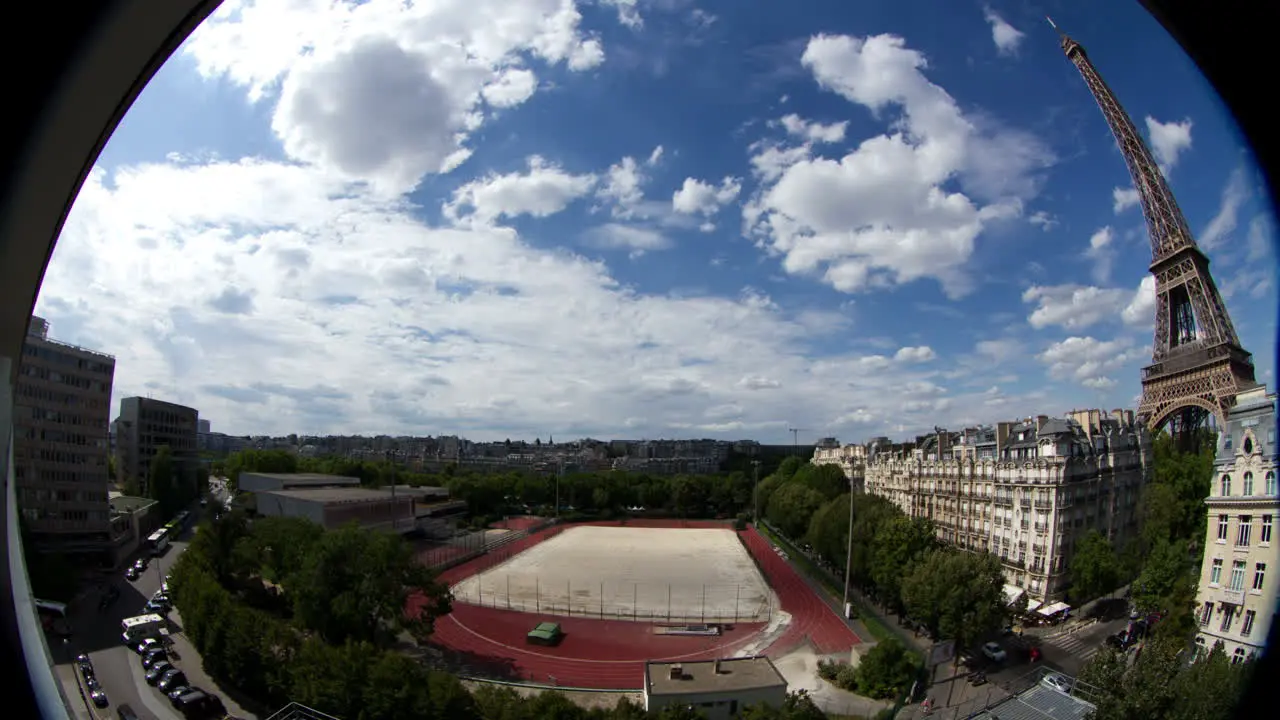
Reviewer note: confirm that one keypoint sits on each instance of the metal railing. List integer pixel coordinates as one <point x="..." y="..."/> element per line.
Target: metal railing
<point x="298" y="711"/>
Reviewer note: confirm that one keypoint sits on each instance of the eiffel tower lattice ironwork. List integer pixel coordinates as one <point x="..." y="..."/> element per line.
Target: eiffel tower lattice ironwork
<point x="1197" y="364"/>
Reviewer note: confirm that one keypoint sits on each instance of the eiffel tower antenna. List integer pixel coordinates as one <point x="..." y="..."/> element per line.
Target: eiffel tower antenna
<point x="1197" y="363"/>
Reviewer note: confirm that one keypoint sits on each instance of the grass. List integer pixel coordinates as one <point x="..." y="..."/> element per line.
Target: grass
<point x="880" y="631"/>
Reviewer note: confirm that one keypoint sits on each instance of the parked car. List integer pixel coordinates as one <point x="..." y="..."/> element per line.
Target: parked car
<point x="153" y="657"/>
<point x="99" y="698"/>
<point x="994" y="652"/>
<point x="84" y="663"/>
<point x="145" y="646"/>
<point x="132" y="573"/>
<point x="157" y="671"/>
<point x="1057" y="681"/>
<point x="172" y="679"/>
<point x="176" y="692"/>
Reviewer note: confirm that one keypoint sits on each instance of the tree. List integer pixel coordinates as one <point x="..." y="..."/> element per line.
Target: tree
<point x="160" y="482"/>
<point x="1095" y="569"/>
<point x="354" y="586"/>
<point x="1164" y="578"/>
<point x="956" y="594"/>
<point x="886" y="670"/>
<point x="792" y="506"/>
<point x="898" y="543"/>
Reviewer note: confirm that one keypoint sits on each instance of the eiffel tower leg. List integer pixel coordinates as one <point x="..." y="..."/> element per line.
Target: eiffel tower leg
<point x="1186" y="426"/>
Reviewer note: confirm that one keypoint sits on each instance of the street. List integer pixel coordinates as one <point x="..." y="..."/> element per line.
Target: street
<point x="98" y="635"/>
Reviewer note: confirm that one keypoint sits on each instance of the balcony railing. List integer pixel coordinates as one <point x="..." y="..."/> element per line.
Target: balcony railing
<point x="999" y="500"/>
<point x="1044" y="504"/>
<point x="1231" y="597"/>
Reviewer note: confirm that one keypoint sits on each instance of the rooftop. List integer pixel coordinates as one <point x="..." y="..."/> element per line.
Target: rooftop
<point x="307" y="478"/>
<point x="334" y="495"/>
<point x="735" y="674"/>
<point x="1040" y="703"/>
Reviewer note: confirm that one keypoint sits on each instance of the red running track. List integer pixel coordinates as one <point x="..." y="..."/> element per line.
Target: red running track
<point x="811" y="618"/>
<point x="523" y="522"/>
<point x="611" y="653"/>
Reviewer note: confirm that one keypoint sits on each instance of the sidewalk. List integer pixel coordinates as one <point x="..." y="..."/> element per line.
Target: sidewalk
<point x="188" y="660"/>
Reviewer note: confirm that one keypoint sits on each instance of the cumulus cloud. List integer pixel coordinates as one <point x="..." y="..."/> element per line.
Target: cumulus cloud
<point x="1087" y="360"/>
<point x="698" y="197"/>
<point x="544" y="190"/>
<point x="1141" y="308"/>
<point x="637" y="240"/>
<point x="814" y="131"/>
<point x="882" y="215"/>
<point x="1043" y="220"/>
<point x="385" y="92"/>
<point x="1073" y="306"/>
<point x="1006" y="37"/>
<point x="1168" y="141"/>
<point x="920" y="354"/>
<point x="1123" y="198"/>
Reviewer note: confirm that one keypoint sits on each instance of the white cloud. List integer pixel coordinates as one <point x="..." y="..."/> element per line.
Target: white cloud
<point x="813" y="131"/>
<point x="544" y="190"/>
<point x="698" y="197"/>
<point x="1123" y="198"/>
<point x="998" y="351"/>
<point x="1102" y="252"/>
<point x="1086" y="359"/>
<point x="1099" y="383"/>
<point x="1141" y="307"/>
<point x="628" y="12"/>
<point x="1224" y="223"/>
<point x="1006" y="37"/>
<point x="615" y="236"/>
<point x="623" y="187"/>
<point x="920" y="354"/>
<point x="1073" y="306"/>
<point x="342" y="312"/>
<point x="655" y="157"/>
<point x="881" y="216"/>
<point x="1043" y="220"/>
<point x="387" y="92"/>
<point x="1168" y="141"/>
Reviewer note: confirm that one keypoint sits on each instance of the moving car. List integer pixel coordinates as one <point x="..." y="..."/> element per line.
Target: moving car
<point x="1057" y="681"/>
<point x="994" y="652"/>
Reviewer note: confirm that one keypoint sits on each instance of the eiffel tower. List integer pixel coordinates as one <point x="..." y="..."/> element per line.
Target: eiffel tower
<point x="1197" y="364"/>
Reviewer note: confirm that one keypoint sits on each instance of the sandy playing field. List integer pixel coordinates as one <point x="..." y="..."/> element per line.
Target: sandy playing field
<point x="677" y="574"/>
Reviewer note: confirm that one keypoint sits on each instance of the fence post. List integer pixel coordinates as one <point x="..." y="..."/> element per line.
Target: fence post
<point x="635" y="598"/>
<point x="668" y="602"/>
<point x="508" y="591"/>
<point x="704" y="602"/>
<point x="568" y="597"/>
<point x="601" y="601"/>
<point x="537" y="594"/>
<point x="737" y="595"/>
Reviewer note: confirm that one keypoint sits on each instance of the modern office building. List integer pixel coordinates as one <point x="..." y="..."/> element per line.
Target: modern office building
<point x="144" y="426"/>
<point x="1026" y="491"/>
<point x="61" y="411"/>
<point x="1237" y="597"/>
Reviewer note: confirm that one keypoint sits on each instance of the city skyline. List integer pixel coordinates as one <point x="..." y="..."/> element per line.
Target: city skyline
<point x="277" y="269"/>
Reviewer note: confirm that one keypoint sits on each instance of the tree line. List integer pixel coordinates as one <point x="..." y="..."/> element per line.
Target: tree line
<point x="284" y="610"/>
<point x="491" y="496"/>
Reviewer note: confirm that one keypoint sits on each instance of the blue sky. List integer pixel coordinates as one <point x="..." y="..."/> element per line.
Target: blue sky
<point x="644" y="218"/>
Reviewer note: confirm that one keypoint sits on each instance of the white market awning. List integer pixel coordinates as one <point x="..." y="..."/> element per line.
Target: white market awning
<point x="1032" y="605"/>
<point x="1053" y="609"/>
<point x="1011" y="594"/>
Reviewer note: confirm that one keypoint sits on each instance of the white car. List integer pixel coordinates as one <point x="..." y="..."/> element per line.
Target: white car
<point x="994" y="652"/>
<point x="1055" y="681"/>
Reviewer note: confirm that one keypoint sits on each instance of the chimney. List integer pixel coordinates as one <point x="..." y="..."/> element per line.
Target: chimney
<point x="677" y="672"/>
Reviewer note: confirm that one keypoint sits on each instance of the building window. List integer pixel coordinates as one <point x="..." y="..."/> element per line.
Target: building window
<point x="1248" y="445"/>
<point x="1248" y="483"/>
<point x="1247" y="626"/>
<point x="1246" y="525"/>
<point x="1264" y="533"/>
<point x="1238" y="656"/>
<point x="1215" y="574"/>
<point x="1237" y="575"/>
<point x="1222" y="528"/>
<point x="1206" y="614"/>
<point x="1259" y="576"/>
<point x="1225" y="486"/>
<point x="1271" y="484"/>
<point x="1228" y="614"/>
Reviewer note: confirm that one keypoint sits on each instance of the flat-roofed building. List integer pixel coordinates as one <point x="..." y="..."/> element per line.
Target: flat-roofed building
<point x="718" y="688"/>
<point x="147" y="424"/>
<point x="259" y="481"/>
<point x="62" y="409"/>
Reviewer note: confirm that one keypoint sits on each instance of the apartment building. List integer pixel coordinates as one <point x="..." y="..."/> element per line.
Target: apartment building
<point x="61" y="410"/>
<point x="147" y="424"/>
<point x="852" y="459"/>
<point x="1237" y="597"/>
<point x="1026" y="491"/>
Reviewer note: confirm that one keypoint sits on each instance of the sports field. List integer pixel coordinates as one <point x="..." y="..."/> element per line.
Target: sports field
<point x="649" y="574"/>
